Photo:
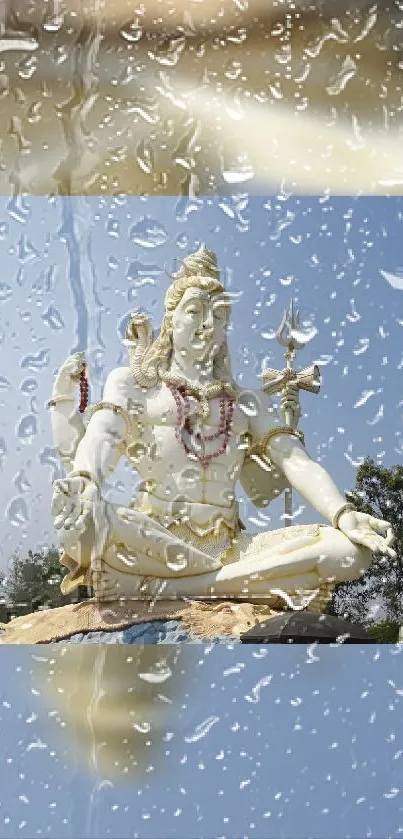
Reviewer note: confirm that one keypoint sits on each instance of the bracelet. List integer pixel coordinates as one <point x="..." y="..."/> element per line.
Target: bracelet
<point x="260" y="446"/>
<point x="55" y="399"/>
<point x="81" y="473"/>
<point x="117" y="409"/>
<point x="342" y="509"/>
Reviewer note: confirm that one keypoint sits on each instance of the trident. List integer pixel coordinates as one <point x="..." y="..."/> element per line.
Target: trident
<point x="290" y="336"/>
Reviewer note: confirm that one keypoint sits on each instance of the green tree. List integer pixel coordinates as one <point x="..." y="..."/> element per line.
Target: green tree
<point x="378" y="491"/>
<point x="34" y="581"/>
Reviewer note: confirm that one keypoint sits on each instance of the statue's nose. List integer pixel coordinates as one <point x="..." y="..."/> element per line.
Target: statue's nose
<point x="208" y="320"/>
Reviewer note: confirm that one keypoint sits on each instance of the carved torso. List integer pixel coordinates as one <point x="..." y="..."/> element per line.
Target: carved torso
<point x="156" y="454"/>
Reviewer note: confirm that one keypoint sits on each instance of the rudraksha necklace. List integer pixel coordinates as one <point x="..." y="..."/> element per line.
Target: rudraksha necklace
<point x="195" y="446"/>
<point x="83" y="390"/>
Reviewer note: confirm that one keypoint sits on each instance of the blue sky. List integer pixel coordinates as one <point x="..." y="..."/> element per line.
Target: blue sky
<point x="74" y="268"/>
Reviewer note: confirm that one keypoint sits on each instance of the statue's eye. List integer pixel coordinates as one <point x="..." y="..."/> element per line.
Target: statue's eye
<point x="194" y="310"/>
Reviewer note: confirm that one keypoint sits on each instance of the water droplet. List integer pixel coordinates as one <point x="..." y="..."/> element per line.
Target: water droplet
<point x="249" y="403"/>
<point x="28" y="386"/>
<point x="169" y="50"/>
<point x="5" y="292"/>
<point x="304" y="335"/>
<point x="190" y="475"/>
<point x="237" y="170"/>
<point x="49" y="457"/>
<point x="142" y="727"/>
<point x="182" y="240"/>
<point x="21" y="482"/>
<point x="394" y="791"/>
<point x="34" y="113"/>
<point x="176" y="559"/>
<point x="346" y="73"/>
<point x="323" y="360"/>
<point x="3" y="450"/>
<point x="233" y="69"/>
<point x="113" y="263"/>
<point x="157" y="675"/>
<point x="141" y="274"/>
<point x="268" y="332"/>
<point x="53" y="23"/>
<point x="202" y="729"/>
<point x="145" y="156"/>
<point x="37" y="361"/>
<point x="378" y="416"/>
<point x="27" y="429"/>
<point x="132" y="31"/>
<point x="27" y="67"/>
<point x="17" y="512"/>
<point x="18" y="209"/>
<point x="137" y="451"/>
<point x="364" y="398"/>
<point x="255" y="697"/>
<point x="112" y="228"/>
<point x="53" y="318"/>
<point x="5" y="384"/>
<point x="26" y="250"/>
<point x="144" y="108"/>
<point x="395" y="280"/>
<point x="148" y="233"/>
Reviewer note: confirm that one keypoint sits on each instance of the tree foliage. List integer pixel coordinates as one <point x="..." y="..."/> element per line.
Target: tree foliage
<point x="385" y="633"/>
<point x="378" y="595"/>
<point x="34" y="581"/>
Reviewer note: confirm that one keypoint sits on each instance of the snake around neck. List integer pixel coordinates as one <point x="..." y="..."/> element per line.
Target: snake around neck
<point x="203" y="393"/>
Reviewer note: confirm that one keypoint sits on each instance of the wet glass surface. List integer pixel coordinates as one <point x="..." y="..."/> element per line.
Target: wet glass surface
<point x="75" y="268"/>
<point x="188" y="740"/>
<point x="187" y="98"/>
<point x="211" y="741"/>
<point x="206" y="107"/>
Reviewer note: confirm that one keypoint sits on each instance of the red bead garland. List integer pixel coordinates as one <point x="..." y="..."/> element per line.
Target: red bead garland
<point x="83" y="390"/>
<point x="226" y="413"/>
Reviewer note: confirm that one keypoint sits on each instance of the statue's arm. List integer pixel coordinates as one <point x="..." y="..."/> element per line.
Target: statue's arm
<point x="67" y="424"/>
<point x="316" y="486"/>
<point x="306" y="476"/>
<point x="282" y="446"/>
<point x="286" y="450"/>
<point x="107" y="431"/>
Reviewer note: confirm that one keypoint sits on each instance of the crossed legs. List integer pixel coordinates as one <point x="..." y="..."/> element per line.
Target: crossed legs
<point x="329" y="558"/>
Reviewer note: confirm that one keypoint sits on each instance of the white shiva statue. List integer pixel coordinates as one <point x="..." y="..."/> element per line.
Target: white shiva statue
<point x="190" y="432"/>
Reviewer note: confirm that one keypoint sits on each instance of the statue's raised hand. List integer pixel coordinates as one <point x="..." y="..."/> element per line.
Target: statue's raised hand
<point x="366" y="530"/>
<point x="69" y="373"/>
<point x="73" y="365"/>
<point x="72" y="503"/>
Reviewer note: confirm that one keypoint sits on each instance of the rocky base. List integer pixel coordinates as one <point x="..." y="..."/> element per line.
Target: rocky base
<point x="153" y="632"/>
<point x="135" y="622"/>
<point x="148" y="622"/>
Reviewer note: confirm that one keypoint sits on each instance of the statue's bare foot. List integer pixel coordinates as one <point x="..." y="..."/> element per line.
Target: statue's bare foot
<point x="110" y="584"/>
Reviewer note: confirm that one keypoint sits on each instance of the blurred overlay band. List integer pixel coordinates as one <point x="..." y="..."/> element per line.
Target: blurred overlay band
<point x="175" y="97"/>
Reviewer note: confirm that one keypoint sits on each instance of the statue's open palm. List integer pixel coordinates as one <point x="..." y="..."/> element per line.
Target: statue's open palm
<point x="72" y="503"/>
<point x="367" y="531"/>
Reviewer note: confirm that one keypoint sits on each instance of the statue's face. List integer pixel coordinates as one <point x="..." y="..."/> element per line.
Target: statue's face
<point x="200" y="324"/>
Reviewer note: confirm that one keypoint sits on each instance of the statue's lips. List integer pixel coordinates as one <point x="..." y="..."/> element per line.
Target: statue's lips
<point x="201" y="341"/>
